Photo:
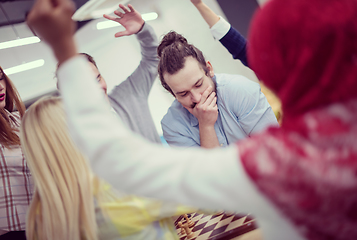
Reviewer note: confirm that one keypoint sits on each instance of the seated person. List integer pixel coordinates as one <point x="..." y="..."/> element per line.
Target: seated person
<point x="70" y="202"/>
<point x="129" y="99"/>
<point x="296" y="179"/>
<point x="210" y="110"/>
<point x="16" y="184"/>
<point x="236" y="44"/>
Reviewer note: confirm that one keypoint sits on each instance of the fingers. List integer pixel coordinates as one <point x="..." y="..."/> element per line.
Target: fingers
<point x="124" y="8"/>
<point x="110" y="17"/>
<point x="120" y="34"/>
<point x="52" y="21"/>
<point x="39" y="8"/>
<point x="43" y="10"/>
<point x="213" y="103"/>
<point x="118" y="13"/>
<point x="131" y="8"/>
<point x="210" y="101"/>
<point x="205" y="94"/>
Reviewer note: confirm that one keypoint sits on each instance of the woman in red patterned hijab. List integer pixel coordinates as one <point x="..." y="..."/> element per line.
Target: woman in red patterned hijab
<point x="306" y="52"/>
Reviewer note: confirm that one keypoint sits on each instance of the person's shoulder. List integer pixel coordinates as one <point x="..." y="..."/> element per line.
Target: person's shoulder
<point x="235" y="82"/>
<point x="175" y="113"/>
<point x="226" y="79"/>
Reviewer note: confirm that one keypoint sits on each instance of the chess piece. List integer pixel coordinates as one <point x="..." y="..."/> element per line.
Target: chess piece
<point x="189" y="233"/>
<point x="189" y="221"/>
<point x="218" y="213"/>
<point x="183" y="232"/>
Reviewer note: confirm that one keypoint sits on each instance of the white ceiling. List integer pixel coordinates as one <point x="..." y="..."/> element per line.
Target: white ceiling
<point x="117" y="58"/>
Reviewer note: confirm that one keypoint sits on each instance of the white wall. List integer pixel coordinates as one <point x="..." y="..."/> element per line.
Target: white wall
<point x="118" y="57"/>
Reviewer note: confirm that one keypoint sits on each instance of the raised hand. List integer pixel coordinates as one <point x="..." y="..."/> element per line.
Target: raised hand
<point x="52" y="21"/>
<point x="131" y="20"/>
<point x="206" y="111"/>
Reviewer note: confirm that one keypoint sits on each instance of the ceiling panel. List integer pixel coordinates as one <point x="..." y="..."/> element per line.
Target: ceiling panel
<point x="14" y="11"/>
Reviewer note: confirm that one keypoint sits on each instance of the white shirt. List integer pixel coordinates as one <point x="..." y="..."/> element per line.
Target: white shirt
<point x="209" y="179"/>
<point x="220" y="28"/>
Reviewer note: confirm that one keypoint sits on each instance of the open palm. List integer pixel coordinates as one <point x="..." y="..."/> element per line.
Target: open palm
<point x="131" y="20"/>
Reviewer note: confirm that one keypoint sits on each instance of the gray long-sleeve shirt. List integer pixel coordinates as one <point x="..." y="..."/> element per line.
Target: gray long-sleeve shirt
<point x="130" y="98"/>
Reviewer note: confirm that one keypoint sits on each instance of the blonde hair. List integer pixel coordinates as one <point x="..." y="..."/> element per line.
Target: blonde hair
<point x="62" y="205"/>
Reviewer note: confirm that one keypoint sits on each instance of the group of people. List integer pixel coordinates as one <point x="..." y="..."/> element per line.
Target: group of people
<point x="96" y="170"/>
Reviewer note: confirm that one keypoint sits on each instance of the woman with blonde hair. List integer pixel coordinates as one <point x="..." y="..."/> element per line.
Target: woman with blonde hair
<point x="15" y="178"/>
<point x="69" y="201"/>
<point x="299" y="180"/>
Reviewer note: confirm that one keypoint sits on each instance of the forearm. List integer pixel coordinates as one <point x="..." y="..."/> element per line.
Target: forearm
<point x="65" y="51"/>
<point x="132" y="164"/>
<point x="208" y="15"/>
<point x="236" y="44"/>
<point x="148" y="43"/>
<point x="208" y="137"/>
<point x="145" y="74"/>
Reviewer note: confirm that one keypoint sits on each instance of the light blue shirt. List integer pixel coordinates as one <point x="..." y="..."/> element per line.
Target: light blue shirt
<point x="242" y="111"/>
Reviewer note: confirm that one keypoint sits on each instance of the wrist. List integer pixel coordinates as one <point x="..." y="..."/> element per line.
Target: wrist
<point x="65" y="50"/>
<point x="205" y="126"/>
<point x="142" y="26"/>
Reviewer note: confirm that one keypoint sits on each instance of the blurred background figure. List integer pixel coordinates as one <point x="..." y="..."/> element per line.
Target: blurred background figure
<point x="69" y="201"/>
<point x="297" y="179"/>
<point x="16" y="184"/>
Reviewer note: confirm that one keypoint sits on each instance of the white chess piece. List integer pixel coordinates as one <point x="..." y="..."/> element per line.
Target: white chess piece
<point x="183" y="232"/>
<point x="189" y="221"/>
<point x="189" y="232"/>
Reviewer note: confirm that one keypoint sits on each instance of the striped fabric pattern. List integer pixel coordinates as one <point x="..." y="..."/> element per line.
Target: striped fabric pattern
<point x="16" y="187"/>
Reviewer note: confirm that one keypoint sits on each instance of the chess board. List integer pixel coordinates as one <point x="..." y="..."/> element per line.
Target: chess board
<point x="220" y="226"/>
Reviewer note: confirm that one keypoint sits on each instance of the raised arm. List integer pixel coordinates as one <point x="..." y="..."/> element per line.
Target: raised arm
<point x="141" y="80"/>
<point x="221" y="30"/>
<point x="125" y="160"/>
<point x="131" y="20"/>
<point x="53" y="22"/>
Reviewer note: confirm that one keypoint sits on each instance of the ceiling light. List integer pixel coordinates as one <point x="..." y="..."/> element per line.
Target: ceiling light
<point x="19" y="42"/>
<point x="24" y="67"/>
<point x="109" y="24"/>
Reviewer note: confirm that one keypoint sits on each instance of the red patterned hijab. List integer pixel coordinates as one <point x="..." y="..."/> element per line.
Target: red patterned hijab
<point x="306" y="52"/>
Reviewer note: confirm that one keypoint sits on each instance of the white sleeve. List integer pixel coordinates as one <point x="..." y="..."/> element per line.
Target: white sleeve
<point x="211" y="179"/>
<point x="220" y="29"/>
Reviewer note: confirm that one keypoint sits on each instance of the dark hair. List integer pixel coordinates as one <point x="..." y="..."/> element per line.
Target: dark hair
<point x="8" y="135"/>
<point x="173" y="51"/>
<point x="89" y="58"/>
